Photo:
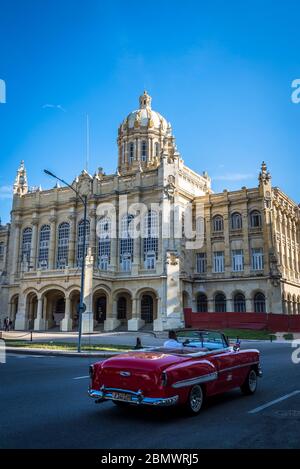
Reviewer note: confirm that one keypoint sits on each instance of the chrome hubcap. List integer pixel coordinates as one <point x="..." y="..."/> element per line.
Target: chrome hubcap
<point x="196" y="398"/>
<point x="252" y="380"/>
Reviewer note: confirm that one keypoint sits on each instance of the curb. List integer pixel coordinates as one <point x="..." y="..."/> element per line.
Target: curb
<point x="61" y="353"/>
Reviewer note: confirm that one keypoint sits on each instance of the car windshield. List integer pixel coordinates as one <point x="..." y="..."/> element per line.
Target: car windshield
<point x="210" y="340"/>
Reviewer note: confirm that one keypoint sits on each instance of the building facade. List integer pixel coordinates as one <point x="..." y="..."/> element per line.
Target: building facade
<point x="158" y="240"/>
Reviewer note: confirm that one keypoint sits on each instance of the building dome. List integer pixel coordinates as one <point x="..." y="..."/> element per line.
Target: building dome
<point x="145" y="116"/>
<point x="142" y="138"/>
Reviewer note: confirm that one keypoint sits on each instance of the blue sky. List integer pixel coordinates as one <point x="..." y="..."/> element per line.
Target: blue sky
<point x="219" y="71"/>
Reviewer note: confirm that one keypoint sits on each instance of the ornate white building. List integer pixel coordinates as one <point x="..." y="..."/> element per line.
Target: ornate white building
<point x="245" y="256"/>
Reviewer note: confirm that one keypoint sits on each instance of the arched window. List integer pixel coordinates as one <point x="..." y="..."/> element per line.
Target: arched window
<point x="26" y="245"/>
<point x="126" y="243"/>
<point x="143" y="150"/>
<point x="156" y="149"/>
<point x="220" y="303"/>
<point x="202" y="305"/>
<point x="80" y="238"/>
<point x="44" y="247"/>
<point x="63" y="245"/>
<point x="255" y="219"/>
<point x="104" y="245"/>
<point x="131" y="152"/>
<point x="259" y="303"/>
<point x="239" y="303"/>
<point x="236" y="221"/>
<point x="151" y="233"/>
<point x="218" y="224"/>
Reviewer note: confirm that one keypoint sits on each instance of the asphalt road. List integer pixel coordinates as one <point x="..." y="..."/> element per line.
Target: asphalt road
<point x="44" y="404"/>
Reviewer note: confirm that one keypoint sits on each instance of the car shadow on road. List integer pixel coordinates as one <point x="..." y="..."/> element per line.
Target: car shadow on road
<point x="159" y="415"/>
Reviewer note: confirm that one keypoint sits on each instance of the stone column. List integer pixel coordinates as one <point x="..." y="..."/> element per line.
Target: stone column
<point x="52" y="250"/>
<point x="194" y="302"/>
<point x="246" y="249"/>
<point x="296" y="253"/>
<point x="135" y="323"/>
<point x="66" y="324"/>
<point x="21" y="322"/>
<point x="292" y="262"/>
<point x="16" y="248"/>
<point x="160" y="257"/>
<point x="211" y="305"/>
<point x="39" y="323"/>
<point x="93" y="237"/>
<point x="137" y="149"/>
<point x="281" y="243"/>
<point x="88" y="316"/>
<point x="287" y="257"/>
<point x="151" y="150"/>
<point x="227" y="253"/>
<point x="34" y="241"/>
<point x="114" y="262"/>
<point x="112" y="321"/>
<point x="72" y="243"/>
<point x="249" y="305"/>
<point x="158" y="323"/>
<point x="126" y="153"/>
<point x="208" y="241"/>
<point x="230" y="304"/>
<point x="136" y="255"/>
<point x="113" y="254"/>
<point x="148" y="159"/>
<point x="48" y="322"/>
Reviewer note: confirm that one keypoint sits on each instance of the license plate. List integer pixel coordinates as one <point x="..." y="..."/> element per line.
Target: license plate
<point x="121" y="396"/>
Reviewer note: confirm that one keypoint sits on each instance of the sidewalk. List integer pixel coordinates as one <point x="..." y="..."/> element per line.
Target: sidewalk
<point x="105" y="338"/>
<point x="101" y="338"/>
<point x="148" y="339"/>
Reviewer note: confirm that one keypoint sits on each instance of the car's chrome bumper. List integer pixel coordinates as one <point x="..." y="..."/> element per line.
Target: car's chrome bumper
<point x="137" y="398"/>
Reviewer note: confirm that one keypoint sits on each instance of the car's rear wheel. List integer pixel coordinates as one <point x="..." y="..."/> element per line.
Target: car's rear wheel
<point x="250" y="384"/>
<point x="195" y="400"/>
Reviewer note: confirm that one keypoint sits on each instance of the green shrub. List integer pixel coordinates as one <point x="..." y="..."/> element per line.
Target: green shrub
<point x="288" y="336"/>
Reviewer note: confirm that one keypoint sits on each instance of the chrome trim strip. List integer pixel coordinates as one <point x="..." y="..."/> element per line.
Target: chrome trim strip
<point x="238" y="366"/>
<point x="196" y="380"/>
<point x="136" y="397"/>
<point x="210" y="376"/>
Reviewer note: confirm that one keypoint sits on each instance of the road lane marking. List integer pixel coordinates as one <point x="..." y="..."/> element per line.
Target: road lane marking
<point x="268" y="404"/>
<point x="81" y="377"/>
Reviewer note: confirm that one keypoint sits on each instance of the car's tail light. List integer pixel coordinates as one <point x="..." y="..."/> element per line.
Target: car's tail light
<point x="164" y="378"/>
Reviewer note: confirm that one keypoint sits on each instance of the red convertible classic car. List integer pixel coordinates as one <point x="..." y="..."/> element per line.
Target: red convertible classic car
<point x="205" y="365"/>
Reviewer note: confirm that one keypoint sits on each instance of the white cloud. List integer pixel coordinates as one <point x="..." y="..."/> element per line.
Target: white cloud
<point x="233" y="177"/>
<point x="6" y="192"/>
<point x="54" y="106"/>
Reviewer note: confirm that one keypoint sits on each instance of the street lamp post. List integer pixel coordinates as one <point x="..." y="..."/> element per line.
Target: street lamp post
<point x="81" y="303"/>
